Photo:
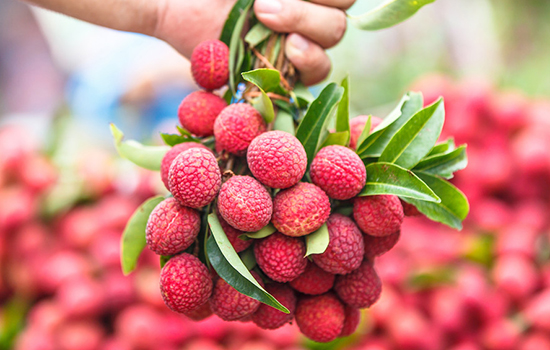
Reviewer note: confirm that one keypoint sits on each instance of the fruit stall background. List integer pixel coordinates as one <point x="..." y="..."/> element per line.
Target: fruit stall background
<point x="65" y="195"/>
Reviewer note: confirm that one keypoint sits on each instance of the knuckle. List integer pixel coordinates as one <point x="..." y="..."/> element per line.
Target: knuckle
<point x="340" y="26"/>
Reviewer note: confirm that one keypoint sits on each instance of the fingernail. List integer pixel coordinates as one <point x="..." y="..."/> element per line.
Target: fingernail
<point x="268" y="6"/>
<point x="297" y="45"/>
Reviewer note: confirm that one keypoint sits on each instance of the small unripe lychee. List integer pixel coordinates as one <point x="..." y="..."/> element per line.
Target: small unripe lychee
<point x="339" y="172"/>
<point x="300" y="210"/>
<point x="281" y="257"/>
<point x="313" y="281"/>
<point x="171" y="227"/>
<point x="233" y="236"/>
<point x="277" y="159"/>
<point x="198" y="111"/>
<point x="195" y="178"/>
<point x="353" y="317"/>
<point x="321" y="317"/>
<point x="356" y="126"/>
<point x="376" y="246"/>
<point x="379" y="215"/>
<point x="361" y="288"/>
<point x="267" y="317"/>
<point x="236" y="126"/>
<point x="171" y="155"/>
<point x="185" y="283"/>
<point x="345" y="249"/>
<point x="210" y="64"/>
<point x="245" y="204"/>
<point x="229" y="304"/>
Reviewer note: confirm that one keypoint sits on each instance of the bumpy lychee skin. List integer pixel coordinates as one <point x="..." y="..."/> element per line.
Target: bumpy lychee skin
<point x="171" y="227"/>
<point x="378" y="215"/>
<point x="353" y="317"/>
<point x="172" y="154"/>
<point x="210" y="64"/>
<point x="313" y="281"/>
<point x="338" y="171"/>
<point x="356" y="126"/>
<point x="300" y="210"/>
<point x="361" y="288"/>
<point x="195" y="178"/>
<point x="321" y="317"/>
<point x="376" y="246"/>
<point x="277" y="159"/>
<point x="245" y="204"/>
<point x="229" y="304"/>
<point x="345" y="250"/>
<point x="409" y="209"/>
<point x="198" y="111"/>
<point x="281" y="257"/>
<point x="200" y="313"/>
<point x="185" y="283"/>
<point x="236" y="126"/>
<point x="233" y="236"/>
<point x="268" y="317"/>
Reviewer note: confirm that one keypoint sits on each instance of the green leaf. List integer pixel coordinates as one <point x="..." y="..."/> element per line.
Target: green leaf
<point x="303" y="96"/>
<point x="444" y="164"/>
<point x="317" y="242"/>
<point x="12" y="320"/>
<point x="365" y="132"/>
<point x="443" y="147"/>
<point x="416" y="137"/>
<point x="342" y="116"/>
<point x="386" y="178"/>
<point x="453" y="207"/>
<point x="236" y="51"/>
<point x="148" y="157"/>
<point x="284" y="122"/>
<point x="263" y="233"/>
<point x="266" y="79"/>
<point x="257" y="34"/>
<point x="377" y="141"/>
<point x="230" y="267"/>
<point x="264" y="105"/>
<point x="231" y="22"/>
<point x="336" y="138"/>
<point x="175" y="139"/>
<point x="314" y="122"/>
<point x="248" y="258"/>
<point x="388" y="14"/>
<point x="164" y="259"/>
<point x="133" y="237"/>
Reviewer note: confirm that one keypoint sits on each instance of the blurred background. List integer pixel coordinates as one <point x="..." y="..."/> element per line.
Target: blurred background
<point x="65" y="195"/>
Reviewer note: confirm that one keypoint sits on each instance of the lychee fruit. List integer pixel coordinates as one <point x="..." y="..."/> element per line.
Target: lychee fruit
<point x="198" y="111"/>
<point x="379" y="215"/>
<point x="300" y="210"/>
<point x="195" y="178"/>
<point x="313" y="281"/>
<point x="321" y="317"/>
<point x="185" y="283"/>
<point x="376" y="246"/>
<point x="233" y="236"/>
<point x="236" y="126"/>
<point x="210" y="64"/>
<point x="409" y="209"/>
<point x="351" y="322"/>
<point x="171" y="227"/>
<point x="281" y="257"/>
<point x="345" y="250"/>
<point x="361" y="288"/>
<point x="277" y="159"/>
<point x="339" y="172"/>
<point x="356" y="126"/>
<point x="200" y="313"/>
<point x="267" y="317"/>
<point x="245" y="204"/>
<point x="172" y="154"/>
<point x="229" y="304"/>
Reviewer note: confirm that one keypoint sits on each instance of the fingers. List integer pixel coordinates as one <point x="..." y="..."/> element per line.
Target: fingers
<point x="321" y="24"/>
<point x="309" y="58"/>
<point x="341" y="4"/>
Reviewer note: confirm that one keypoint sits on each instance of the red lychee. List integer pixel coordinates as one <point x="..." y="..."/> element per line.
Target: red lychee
<point x="345" y="249"/>
<point x="281" y="257"/>
<point x="338" y="171"/>
<point x="198" y="112"/>
<point x="356" y="126"/>
<point x="277" y="159"/>
<point x="229" y="304"/>
<point x="378" y="215"/>
<point x="351" y="322"/>
<point x="376" y="246"/>
<point x="321" y="317"/>
<point x="172" y="154"/>
<point x="361" y="288"/>
<point x="210" y="64"/>
<point x="409" y="209"/>
<point x="202" y="312"/>
<point x="313" y="281"/>
<point x="195" y="178"/>
<point x="267" y="317"/>
<point x="185" y="283"/>
<point x="300" y="210"/>
<point x="233" y="236"/>
<point x="245" y="204"/>
<point x="171" y="227"/>
<point x="236" y="126"/>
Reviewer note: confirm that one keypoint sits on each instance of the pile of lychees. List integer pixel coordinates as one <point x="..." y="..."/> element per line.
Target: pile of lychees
<point x="323" y="292"/>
